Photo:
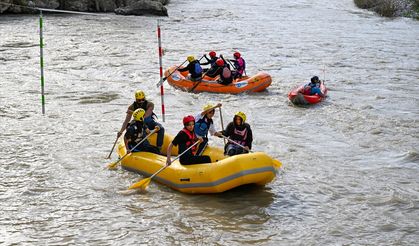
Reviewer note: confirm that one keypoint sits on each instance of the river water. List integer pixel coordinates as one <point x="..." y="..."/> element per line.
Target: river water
<point x="350" y="165"/>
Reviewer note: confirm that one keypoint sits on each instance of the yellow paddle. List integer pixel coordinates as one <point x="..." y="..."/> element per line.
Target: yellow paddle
<point x="142" y="184"/>
<point x="231" y="141"/>
<point x="114" y="165"/>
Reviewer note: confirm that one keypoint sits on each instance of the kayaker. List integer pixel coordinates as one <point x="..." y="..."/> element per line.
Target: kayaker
<point x="239" y="131"/>
<point x="211" y="60"/>
<point x="149" y="116"/>
<point x="313" y="88"/>
<point x="194" y="68"/>
<point x="239" y="65"/>
<point x="205" y="124"/>
<point x="184" y="139"/>
<point x="223" y="70"/>
<point x="136" y="132"/>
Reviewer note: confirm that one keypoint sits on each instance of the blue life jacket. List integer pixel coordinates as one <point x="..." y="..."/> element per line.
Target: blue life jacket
<point x="198" y="68"/>
<point x="202" y="127"/>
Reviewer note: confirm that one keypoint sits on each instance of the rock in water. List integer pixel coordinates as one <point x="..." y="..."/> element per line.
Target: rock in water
<point x="143" y="7"/>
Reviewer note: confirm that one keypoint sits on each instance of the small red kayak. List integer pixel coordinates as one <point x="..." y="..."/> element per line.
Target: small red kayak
<point x="297" y="97"/>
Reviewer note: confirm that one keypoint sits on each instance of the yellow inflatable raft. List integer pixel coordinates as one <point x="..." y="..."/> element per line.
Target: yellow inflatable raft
<point x="224" y="173"/>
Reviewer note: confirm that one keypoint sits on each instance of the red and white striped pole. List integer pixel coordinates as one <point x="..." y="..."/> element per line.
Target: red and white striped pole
<point x="161" y="70"/>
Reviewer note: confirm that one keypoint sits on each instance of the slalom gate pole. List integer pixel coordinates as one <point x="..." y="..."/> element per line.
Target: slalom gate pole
<point x="161" y="69"/>
<point x="41" y="57"/>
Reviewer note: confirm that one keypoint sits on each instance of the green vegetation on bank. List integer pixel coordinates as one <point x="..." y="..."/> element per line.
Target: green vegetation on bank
<point x="391" y="8"/>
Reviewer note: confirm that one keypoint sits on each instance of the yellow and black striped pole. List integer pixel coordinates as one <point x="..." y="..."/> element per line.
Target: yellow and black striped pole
<point x="41" y="46"/>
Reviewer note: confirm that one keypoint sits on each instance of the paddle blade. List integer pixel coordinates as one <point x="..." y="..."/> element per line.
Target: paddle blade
<point x="142" y="184"/>
<point x="277" y="163"/>
<point x="113" y="165"/>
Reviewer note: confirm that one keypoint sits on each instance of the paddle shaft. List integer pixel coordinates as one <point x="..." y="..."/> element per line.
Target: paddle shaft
<point x="197" y="83"/>
<point x="202" y="77"/>
<point x="165" y="78"/>
<point x="222" y="123"/>
<point x="232" y="141"/>
<point x="109" y="156"/>
<point x="190" y="147"/>
<point x="177" y="157"/>
<point x="324" y="73"/>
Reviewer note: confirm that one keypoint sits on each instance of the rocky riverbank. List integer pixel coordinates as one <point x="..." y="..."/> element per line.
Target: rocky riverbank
<point x="391" y="8"/>
<point x="121" y="7"/>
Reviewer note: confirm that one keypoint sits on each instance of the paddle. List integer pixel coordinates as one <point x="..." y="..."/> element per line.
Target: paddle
<point x="232" y="65"/>
<point x="232" y="141"/>
<point x="324" y="73"/>
<point x="114" y="164"/>
<point x="202" y="77"/>
<point x="165" y="78"/>
<point x="109" y="156"/>
<point x="197" y="83"/>
<point x="235" y="67"/>
<point x="222" y="123"/>
<point x="142" y="184"/>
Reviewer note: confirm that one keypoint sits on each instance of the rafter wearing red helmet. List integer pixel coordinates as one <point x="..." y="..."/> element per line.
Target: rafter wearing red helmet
<point x="239" y="65"/>
<point x="185" y="139"/>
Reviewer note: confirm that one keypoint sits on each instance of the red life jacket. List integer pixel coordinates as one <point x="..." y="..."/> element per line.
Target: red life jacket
<point x="191" y="140"/>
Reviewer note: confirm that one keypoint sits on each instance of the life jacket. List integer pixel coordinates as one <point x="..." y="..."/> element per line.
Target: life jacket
<point x="240" y="136"/>
<point x="226" y="73"/>
<point x="139" y="132"/>
<point x="307" y="90"/>
<point x="136" y="105"/>
<point x="240" y="65"/>
<point x="144" y="105"/>
<point x="228" y="79"/>
<point x="191" y="140"/>
<point x="202" y="126"/>
<point x="197" y="68"/>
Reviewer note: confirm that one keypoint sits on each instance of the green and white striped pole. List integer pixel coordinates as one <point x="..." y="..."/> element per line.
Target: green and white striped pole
<point x="41" y="46"/>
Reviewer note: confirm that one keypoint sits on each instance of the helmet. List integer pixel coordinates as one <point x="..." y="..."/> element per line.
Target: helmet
<point x="188" y="119"/>
<point x="190" y="58"/>
<point x="241" y="115"/>
<point x="219" y="62"/>
<point x="212" y="54"/>
<point x="208" y="106"/>
<point x="139" y="95"/>
<point x="138" y="114"/>
<point x="314" y="79"/>
<point x="236" y="55"/>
